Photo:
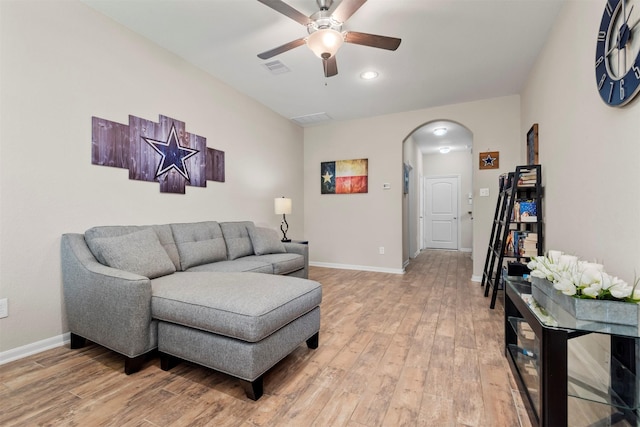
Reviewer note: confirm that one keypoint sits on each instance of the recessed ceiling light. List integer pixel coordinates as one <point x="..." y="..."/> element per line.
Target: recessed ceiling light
<point x="440" y="131"/>
<point x="368" y="75"/>
<point x="445" y="150"/>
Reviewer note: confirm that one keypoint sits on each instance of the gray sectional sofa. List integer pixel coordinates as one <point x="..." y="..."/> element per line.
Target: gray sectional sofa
<point x="230" y="296"/>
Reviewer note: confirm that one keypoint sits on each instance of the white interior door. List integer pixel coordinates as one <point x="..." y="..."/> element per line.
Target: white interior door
<point x="441" y="212"/>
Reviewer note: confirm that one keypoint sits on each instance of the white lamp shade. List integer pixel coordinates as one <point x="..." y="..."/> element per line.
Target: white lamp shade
<point x="282" y="205"/>
<point x="325" y="41"/>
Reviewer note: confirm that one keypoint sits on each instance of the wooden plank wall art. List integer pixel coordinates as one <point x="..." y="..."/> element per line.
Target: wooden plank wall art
<point x="162" y="152"/>
<point x="344" y="176"/>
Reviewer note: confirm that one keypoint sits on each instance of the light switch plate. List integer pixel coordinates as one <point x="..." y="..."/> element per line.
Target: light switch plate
<point x="484" y="192"/>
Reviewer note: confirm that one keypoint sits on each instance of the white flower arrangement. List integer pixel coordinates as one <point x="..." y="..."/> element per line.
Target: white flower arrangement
<point x="581" y="279"/>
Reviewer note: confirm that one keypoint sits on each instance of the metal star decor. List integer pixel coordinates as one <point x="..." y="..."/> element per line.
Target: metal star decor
<point x="162" y="152"/>
<point x="490" y="160"/>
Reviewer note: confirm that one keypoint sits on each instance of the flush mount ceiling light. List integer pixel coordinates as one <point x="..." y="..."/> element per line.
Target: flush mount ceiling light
<point x="440" y="131"/>
<point x="445" y="150"/>
<point x="368" y="75"/>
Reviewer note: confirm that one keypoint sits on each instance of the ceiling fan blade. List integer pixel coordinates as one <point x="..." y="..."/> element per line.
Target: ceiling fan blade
<point x="281" y="49"/>
<point x="345" y="9"/>
<point x="285" y="9"/>
<point x="373" y="40"/>
<point x="330" y="66"/>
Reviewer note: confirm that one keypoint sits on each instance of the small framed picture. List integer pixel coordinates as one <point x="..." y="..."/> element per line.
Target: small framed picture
<point x="406" y="178"/>
<point x="532" y="145"/>
<point x="490" y="160"/>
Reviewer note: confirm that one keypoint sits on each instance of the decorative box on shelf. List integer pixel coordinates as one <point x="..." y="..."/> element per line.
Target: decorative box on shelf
<point x="606" y="311"/>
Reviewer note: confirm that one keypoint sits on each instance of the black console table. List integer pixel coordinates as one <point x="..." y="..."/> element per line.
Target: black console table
<point x="536" y="348"/>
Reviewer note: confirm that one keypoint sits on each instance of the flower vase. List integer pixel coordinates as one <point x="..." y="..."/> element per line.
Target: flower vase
<point x="595" y="310"/>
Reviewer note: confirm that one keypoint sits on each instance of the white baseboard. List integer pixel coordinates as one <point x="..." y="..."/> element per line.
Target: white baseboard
<point x="34" y="348"/>
<point x="465" y="249"/>
<point x="475" y="278"/>
<point x="356" y="267"/>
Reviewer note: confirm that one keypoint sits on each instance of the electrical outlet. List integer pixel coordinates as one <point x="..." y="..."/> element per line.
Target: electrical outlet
<point x="381" y="250"/>
<point x="4" y="308"/>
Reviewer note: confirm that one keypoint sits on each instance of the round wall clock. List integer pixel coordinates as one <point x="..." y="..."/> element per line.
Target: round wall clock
<point x="618" y="52"/>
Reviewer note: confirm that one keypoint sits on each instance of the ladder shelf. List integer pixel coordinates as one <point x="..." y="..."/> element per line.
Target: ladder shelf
<point x="516" y="232"/>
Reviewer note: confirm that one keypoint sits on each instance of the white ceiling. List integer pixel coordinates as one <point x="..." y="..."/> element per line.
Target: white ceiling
<point x="452" y="51"/>
<point x="457" y="138"/>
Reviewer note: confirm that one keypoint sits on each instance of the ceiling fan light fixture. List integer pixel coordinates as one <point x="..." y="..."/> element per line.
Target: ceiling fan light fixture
<point x="325" y="42"/>
<point x="440" y="131"/>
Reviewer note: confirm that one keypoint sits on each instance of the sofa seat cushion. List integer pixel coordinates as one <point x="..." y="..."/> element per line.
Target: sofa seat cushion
<point x="282" y="263"/>
<point x="245" y="306"/>
<point x="236" y="266"/>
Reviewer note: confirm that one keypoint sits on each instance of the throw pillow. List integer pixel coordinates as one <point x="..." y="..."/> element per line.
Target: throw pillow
<point x="140" y="253"/>
<point x="236" y="236"/>
<point x="266" y="241"/>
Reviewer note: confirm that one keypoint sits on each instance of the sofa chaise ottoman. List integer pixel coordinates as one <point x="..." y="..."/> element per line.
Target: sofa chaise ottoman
<point x="243" y="324"/>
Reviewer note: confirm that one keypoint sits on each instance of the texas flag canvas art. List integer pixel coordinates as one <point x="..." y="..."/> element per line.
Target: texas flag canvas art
<point x="344" y="176"/>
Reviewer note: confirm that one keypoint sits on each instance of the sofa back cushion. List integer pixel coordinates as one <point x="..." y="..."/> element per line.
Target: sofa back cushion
<point x="266" y="241"/>
<point x="236" y="235"/>
<point x="199" y="243"/>
<point x="162" y="231"/>
<point x="139" y="252"/>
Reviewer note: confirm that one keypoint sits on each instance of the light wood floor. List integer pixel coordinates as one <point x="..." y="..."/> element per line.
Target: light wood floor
<point x="419" y="349"/>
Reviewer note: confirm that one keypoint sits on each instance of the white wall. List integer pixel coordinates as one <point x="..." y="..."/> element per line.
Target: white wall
<point x="348" y="229"/>
<point x="589" y="152"/>
<point x="411" y="201"/>
<point x="458" y="163"/>
<point x="61" y="64"/>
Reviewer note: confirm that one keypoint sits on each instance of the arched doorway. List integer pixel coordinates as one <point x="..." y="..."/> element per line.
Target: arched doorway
<point x="427" y="154"/>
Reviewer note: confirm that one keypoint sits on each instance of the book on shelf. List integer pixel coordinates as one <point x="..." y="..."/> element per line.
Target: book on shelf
<point x="528" y="179"/>
<point x="528" y="211"/>
<point x="515" y="214"/>
<point x="524" y="211"/>
<point x="513" y="242"/>
<point x="522" y="243"/>
<point x="527" y="183"/>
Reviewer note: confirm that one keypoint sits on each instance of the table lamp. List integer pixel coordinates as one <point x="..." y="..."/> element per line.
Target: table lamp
<point x="283" y="206"/>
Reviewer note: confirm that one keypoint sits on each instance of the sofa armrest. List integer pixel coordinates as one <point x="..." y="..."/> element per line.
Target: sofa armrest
<point x="108" y="306"/>
<point x="301" y="249"/>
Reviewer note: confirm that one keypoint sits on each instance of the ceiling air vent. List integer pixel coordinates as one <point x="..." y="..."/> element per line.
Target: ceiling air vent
<point x="276" y="67"/>
<point x="311" y="118"/>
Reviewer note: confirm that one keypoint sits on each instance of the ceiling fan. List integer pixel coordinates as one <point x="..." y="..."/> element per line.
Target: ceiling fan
<point x="325" y="31"/>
